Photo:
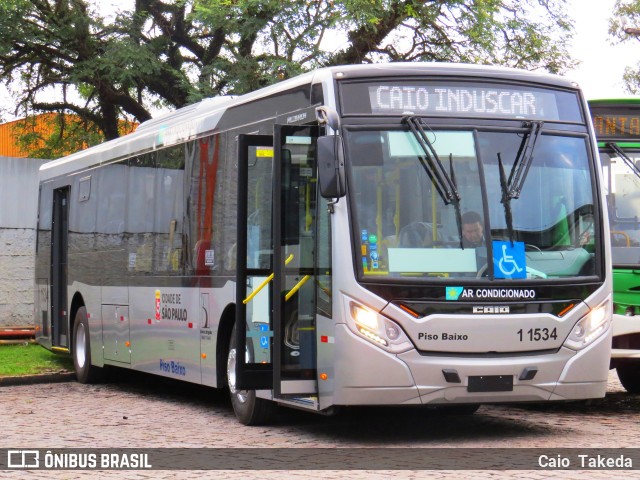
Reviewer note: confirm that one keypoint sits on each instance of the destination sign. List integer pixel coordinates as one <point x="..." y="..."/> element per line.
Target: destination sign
<point x="462" y="99"/>
<point x="616" y="126"/>
<point x="500" y="102"/>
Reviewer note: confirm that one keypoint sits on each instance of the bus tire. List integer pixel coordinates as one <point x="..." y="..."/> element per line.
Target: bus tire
<point x="629" y="375"/>
<point x="249" y="409"/>
<point x="81" y="351"/>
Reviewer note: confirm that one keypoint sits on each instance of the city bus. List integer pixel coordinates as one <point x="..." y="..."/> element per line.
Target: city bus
<point x="305" y="245"/>
<point x="616" y="124"/>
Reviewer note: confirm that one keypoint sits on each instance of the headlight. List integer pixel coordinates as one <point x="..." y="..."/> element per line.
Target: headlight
<point x="590" y="327"/>
<point x="378" y="329"/>
<point x="364" y="317"/>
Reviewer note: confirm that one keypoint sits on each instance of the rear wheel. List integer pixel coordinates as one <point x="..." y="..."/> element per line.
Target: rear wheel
<point x="249" y="409"/>
<point x="85" y="372"/>
<point x="629" y="375"/>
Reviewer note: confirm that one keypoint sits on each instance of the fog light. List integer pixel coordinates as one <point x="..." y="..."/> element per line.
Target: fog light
<point x="392" y="330"/>
<point x="630" y="311"/>
<point x="578" y="331"/>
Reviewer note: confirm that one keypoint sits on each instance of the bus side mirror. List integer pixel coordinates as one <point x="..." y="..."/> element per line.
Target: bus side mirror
<point x="331" y="176"/>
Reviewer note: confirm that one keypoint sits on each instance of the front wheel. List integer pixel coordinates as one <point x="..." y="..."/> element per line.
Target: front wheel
<point x="249" y="409"/>
<point x="85" y="372"/>
<point x="629" y="375"/>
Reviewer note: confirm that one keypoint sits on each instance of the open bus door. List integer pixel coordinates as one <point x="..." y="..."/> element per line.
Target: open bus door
<point x="294" y="261"/>
<point x="254" y="263"/>
<point x="276" y="290"/>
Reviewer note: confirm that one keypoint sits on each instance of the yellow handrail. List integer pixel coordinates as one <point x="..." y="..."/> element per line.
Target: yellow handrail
<point x="623" y="234"/>
<point x="296" y="288"/>
<point x="265" y="282"/>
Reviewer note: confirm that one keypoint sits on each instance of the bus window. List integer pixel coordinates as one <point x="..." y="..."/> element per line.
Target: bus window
<point x="168" y="218"/>
<point x="409" y="226"/>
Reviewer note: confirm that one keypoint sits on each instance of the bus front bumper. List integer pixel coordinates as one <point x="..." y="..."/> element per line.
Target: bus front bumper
<point x="412" y="378"/>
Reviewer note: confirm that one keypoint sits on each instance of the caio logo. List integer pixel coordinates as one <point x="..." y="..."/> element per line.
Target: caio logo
<point x="491" y="309"/>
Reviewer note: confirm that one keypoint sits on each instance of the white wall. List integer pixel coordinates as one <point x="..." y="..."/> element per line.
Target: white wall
<point x="18" y="202"/>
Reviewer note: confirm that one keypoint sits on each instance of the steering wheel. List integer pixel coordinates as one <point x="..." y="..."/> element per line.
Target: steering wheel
<point x="531" y="272"/>
<point x="529" y="247"/>
<point x="482" y="272"/>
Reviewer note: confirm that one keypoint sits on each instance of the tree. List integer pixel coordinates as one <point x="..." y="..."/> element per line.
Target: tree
<point x="65" y="56"/>
<point x="624" y="26"/>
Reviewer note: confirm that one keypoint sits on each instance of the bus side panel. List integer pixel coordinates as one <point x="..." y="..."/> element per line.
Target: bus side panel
<point x="136" y="227"/>
<point x="165" y="334"/>
<point x="92" y="297"/>
<point x="214" y="301"/>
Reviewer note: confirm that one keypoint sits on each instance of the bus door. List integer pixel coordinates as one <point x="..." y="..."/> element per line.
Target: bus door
<point x="276" y="290"/>
<point x="294" y="260"/>
<point x="254" y="263"/>
<point x="59" y="244"/>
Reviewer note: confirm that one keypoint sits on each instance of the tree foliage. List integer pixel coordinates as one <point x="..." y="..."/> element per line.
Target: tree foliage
<point x="70" y="56"/>
<point x="624" y="26"/>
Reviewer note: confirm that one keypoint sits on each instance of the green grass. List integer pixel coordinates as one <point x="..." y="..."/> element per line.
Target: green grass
<point x="30" y="359"/>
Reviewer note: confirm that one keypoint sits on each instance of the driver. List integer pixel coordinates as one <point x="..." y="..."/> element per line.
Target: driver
<point x="472" y="230"/>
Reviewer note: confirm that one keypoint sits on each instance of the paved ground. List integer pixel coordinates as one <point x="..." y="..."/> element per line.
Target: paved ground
<point x="145" y="412"/>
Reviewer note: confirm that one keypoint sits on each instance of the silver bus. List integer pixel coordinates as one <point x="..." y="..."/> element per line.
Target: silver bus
<point x="400" y="234"/>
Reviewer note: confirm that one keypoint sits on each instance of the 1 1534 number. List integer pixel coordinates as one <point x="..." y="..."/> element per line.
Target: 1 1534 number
<point x="537" y="334"/>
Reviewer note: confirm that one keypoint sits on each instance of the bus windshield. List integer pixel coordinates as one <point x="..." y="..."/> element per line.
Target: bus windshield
<point x="622" y="186"/>
<point x="408" y="226"/>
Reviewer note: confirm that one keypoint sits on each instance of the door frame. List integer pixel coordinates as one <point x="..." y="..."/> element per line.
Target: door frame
<point x="59" y="267"/>
<point x="249" y="376"/>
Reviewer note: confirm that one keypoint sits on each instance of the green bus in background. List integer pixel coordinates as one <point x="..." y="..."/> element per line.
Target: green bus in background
<point x="617" y="127"/>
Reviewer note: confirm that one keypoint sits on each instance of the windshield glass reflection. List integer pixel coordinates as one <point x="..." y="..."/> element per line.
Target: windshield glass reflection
<point x="408" y="228"/>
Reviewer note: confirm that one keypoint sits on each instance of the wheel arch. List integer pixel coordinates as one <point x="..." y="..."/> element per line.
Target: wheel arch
<point x="76" y="303"/>
<point x="227" y="320"/>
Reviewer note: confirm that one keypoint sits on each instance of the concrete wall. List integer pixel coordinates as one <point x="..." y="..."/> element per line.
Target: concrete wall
<point x="18" y="213"/>
<point x="16" y="276"/>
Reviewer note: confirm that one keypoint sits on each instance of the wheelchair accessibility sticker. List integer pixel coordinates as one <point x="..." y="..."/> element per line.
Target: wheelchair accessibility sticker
<point x="264" y="340"/>
<point x="509" y="260"/>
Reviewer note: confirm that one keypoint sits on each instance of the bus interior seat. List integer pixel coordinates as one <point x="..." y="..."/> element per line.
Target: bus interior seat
<point x="417" y="234"/>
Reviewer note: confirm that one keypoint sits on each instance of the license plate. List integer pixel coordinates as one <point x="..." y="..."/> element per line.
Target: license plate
<point x="490" y="383"/>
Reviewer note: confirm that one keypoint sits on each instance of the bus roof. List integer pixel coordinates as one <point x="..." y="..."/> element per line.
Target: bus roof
<point x="615" y="101"/>
<point x="193" y="120"/>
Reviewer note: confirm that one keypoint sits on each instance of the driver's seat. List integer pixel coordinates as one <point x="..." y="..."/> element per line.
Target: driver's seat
<point x="417" y="235"/>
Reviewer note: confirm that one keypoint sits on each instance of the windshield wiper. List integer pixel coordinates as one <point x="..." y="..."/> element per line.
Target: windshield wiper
<point x="456" y="204"/>
<point x="625" y="158"/>
<point x="506" y="200"/>
<point x="444" y="183"/>
<point x="524" y="158"/>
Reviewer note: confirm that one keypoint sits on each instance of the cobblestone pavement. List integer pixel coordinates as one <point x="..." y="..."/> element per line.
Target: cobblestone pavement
<point x="148" y="412"/>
